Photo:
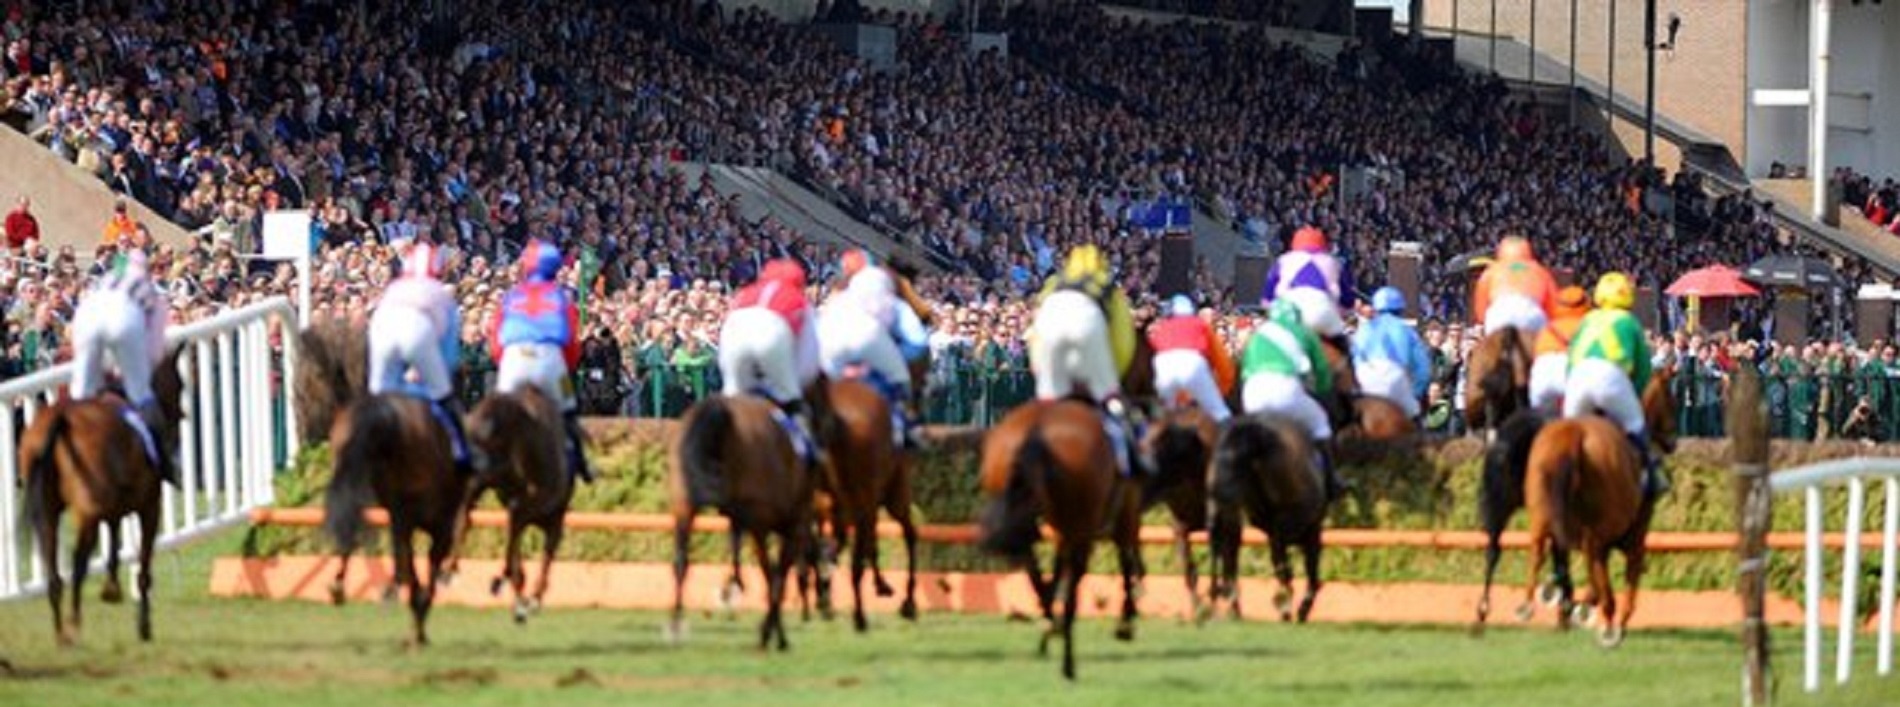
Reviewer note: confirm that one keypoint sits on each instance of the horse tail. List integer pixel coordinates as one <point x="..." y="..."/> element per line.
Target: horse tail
<point x="1557" y="490"/>
<point x="374" y="426"/>
<point x="1249" y="441"/>
<point x="702" y="452"/>
<point x="37" y="457"/>
<point x="1009" y="523"/>
<point x="1505" y="463"/>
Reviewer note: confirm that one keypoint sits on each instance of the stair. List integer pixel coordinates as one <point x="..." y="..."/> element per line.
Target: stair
<point x="765" y="192"/>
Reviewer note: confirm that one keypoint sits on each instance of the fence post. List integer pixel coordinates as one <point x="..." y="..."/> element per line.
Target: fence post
<point x="1748" y="445"/>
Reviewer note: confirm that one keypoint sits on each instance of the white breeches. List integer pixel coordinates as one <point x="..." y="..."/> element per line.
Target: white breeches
<point x="403" y="341"/>
<point x="1595" y="385"/>
<point x="540" y="365"/>
<point x="1071" y="349"/>
<point x="1318" y="311"/>
<point x="1547" y="380"/>
<point x="111" y="321"/>
<point x="1283" y="396"/>
<point x="1515" y="311"/>
<point x="1185" y="371"/>
<point x="1385" y="379"/>
<point x="757" y="353"/>
<point x="848" y="336"/>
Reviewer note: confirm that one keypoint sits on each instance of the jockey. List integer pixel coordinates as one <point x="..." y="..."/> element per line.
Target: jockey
<point x="416" y="329"/>
<point x="1285" y="370"/>
<point x="1309" y="275"/>
<point x="1392" y="360"/>
<point x="1553" y="349"/>
<point x="868" y="323"/>
<point x="769" y="345"/>
<point x="535" y="340"/>
<point x="124" y="314"/>
<point x="1609" y="363"/>
<point x="1515" y="291"/>
<point x="1190" y="358"/>
<point x="1084" y="337"/>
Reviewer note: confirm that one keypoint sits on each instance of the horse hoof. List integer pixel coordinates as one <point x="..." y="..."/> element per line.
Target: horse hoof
<point x="1549" y="594"/>
<point x="495" y="585"/>
<point x="1477" y="629"/>
<point x="447" y="579"/>
<point x="1610" y="637"/>
<point x="521" y="611"/>
<point x="1125" y="631"/>
<point x="1306" y="610"/>
<point x="389" y="594"/>
<point x="909" y="610"/>
<point x="1525" y="611"/>
<point x="1202" y="613"/>
<point x="858" y="622"/>
<point x="884" y="589"/>
<point x="1286" y="617"/>
<point x="674" y="632"/>
<point x="336" y="594"/>
<point x="534" y="605"/>
<point x="112" y="594"/>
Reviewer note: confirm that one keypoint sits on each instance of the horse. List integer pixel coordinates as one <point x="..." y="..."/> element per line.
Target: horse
<point x="1263" y="466"/>
<point x="868" y="471"/>
<point x="1358" y="416"/>
<point x="84" y="456"/>
<point x="1501" y="494"/>
<point x="734" y="455"/>
<point x="332" y="372"/>
<point x="521" y="434"/>
<point x="1583" y="487"/>
<point x="1497" y="381"/>
<point x="390" y="449"/>
<point x="1181" y="444"/>
<point x="1052" y="460"/>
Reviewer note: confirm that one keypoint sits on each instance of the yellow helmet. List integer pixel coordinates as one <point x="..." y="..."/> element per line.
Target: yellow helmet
<point x="1615" y="291"/>
<point x="1085" y="263"/>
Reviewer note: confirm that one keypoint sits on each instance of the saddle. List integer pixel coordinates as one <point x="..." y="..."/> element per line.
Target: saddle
<point x="886" y="389"/>
<point x="803" y="445"/>
<point x="458" y="445"/>
<point x="131" y="416"/>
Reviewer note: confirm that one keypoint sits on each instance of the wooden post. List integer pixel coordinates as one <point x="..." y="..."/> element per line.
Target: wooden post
<point x="1748" y="445"/>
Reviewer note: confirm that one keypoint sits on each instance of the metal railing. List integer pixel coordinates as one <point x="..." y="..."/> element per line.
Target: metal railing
<point x="231" y="440"/>
<point x="1810" y="480"/>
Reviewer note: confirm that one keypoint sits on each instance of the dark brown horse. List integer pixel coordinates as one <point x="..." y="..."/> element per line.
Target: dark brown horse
<point x="868" y="472"/>
<point x="732" y="454"/>
<point x="1501" y="494"/>
<point x="390" y="450"/>
<point x="1263" y="467"/>
<point x="332" y="372"/>
<point x="1051" y="461"/>
<point x="1583" y="488"/>
<point x="1498" y="379"/>
<point x="521" y="434"/>
<point x="1181" y="444"/>
<point x="83" y="456"/>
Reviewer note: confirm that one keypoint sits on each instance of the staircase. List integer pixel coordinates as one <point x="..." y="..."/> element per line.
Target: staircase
<point x="764" y="192"/>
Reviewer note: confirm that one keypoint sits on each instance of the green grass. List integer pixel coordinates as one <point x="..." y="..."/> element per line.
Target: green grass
<point x="230" y="652"/>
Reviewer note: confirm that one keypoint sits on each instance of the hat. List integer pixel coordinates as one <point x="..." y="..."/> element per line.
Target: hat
<point x="1180" y="306"/>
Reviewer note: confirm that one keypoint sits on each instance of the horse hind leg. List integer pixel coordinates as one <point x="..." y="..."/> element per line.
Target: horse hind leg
<point x="148" y="539"/>
<point x="1131" y="590"/>
<point x="83" y="547"/>
<point x="511" y="573"/>
<point x="1492" y="551"/>
<point x="48" y="532"/>
<point x="1540" y="535"/>
<point x="1605" y="596"/>
<point x="1310" y="551"/>
<point x="110" y="592"/>
<point x="1634" y="562"/>
<point x="776" y="574"/>
<point x="675" y="631"/>
<point x="551" y="534"/>
<point x="1282" y="571"/>
<point x="863" y="557"/>
<point x="901" y="514"/>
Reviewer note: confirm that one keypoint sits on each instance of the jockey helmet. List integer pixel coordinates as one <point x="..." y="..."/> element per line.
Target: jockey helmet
<point x="1086" y="263"/>
<point x="785" y="271"/>
<point x="1572" y="299"/>
<point x="1514" y="249"/>
<point x="1614" y="291"/>
<point x="423" y="260"/>
<point x="1309" y="239"/>
<point x="540" y="261"/>
<point x="1180" y="306"/>
<point x="1388" y="299"/>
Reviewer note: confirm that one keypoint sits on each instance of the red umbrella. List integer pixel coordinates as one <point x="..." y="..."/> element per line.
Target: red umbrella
<point x="1712" y="281"/>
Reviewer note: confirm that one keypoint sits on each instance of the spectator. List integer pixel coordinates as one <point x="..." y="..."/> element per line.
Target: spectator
<point x="21" y="225"/>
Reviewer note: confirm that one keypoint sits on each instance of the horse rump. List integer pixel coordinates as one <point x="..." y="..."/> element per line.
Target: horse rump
<point x="1008" y="522"/>
<point x="1505" y="462"/>
<point x="1559" y="485"/>
<point x="373" y="429"/>
<point x="37" y="459"/>
<point x="1249" y="440"/>
<point x="702" y="452"/>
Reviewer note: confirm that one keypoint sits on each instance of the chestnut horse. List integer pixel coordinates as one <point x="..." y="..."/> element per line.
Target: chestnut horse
<point x="391" y="450"/>
<point x="1052" y="460"/>
<point x="868" y="471"/>
<point x="84" y="456"/>
<point x="734" y="454"/>
<point x="521" y="434"/>
<point x="1583" y="487"/>
<point x="1263" y="466"/>
<point x="1497" y="380"/>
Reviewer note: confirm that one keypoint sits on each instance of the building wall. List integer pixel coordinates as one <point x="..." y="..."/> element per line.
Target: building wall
<point x="1701" y="83"/>
<point x="1864" y="115"/>
<point x="1777" y="59"/>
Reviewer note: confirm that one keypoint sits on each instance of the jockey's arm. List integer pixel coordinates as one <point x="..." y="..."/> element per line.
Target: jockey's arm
<point x="1121" y="330"/>
<point x="452" y="336"/>
<point x="1219" y="361"/>
<point x="912" y="338"/>
<point x="571" y="349"/>
<point x="1321" y="371"/>
<point x="1638" y="346"/>
<point x="1419" y="365"/>
<point x="918" y="306"/>
<point x="1271" y="285"/>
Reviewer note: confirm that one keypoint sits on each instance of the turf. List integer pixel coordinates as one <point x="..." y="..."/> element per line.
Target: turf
<point x="228" y="652"/>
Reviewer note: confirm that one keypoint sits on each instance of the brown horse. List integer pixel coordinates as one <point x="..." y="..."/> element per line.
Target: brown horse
<point x="1263" y="466"/>
<point x="1583" y="487"/>
<point x="521" y="434"/>
<point x="1051" y="460"/>
<point x="868" y="471"/>
<point x="1497" y="382"/>
<point x="390" y="450"/>
<point x="1360" y="417"/>
<point x="732" y="454"/>
<point x="332" y="372"/>
<point x="83" y="456"/>
<point x="1181" y="444"/>
<point x="1501" y="494"/>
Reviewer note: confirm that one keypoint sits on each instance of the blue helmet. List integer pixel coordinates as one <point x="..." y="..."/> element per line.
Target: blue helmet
<point x="540" y="261"/>
<point x="1388" y="299"/>
<point x="1180" y="306"/>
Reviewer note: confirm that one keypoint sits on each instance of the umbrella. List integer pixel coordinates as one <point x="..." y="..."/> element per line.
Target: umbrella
<point x="1793" y="271"/>
<point x="1469" y="261"/>
<point x="1712" y="281"/>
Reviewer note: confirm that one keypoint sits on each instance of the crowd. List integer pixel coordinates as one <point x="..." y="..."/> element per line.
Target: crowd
<point x="1877" y="200"/>
<point x="479" y="128"/>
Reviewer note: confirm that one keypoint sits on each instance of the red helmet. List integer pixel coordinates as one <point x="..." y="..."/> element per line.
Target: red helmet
<point x="1514" y="248"/>
<point x="423" y="260"/>
<point x="785" y="271"/>
<point x="1309" y="239"/>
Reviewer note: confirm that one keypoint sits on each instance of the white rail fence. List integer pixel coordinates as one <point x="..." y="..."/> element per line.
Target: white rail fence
<point x="228" y="441"/>
<point x="1812" y="480"/>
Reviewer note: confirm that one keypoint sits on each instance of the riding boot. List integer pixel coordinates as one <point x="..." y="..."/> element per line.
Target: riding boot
<point x="1335" y="485"/>
<point x="800" y="414"/>
<point x="1126" y="439"/>
<point x="154" y="419"/>
<point x="470" y="460"/>
<point x="1654" y="485"/>
<point x="576" y="451"/>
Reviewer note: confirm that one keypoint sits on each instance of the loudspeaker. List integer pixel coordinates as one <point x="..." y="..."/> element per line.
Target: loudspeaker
<point x="1646" y="307"/>
<point x="1873" y="320"/>
<point x="1177" y="265"/>
<point x="1791" y="318"/>
<point x="1250" y="278"/>
<point x="1402" y="270"/>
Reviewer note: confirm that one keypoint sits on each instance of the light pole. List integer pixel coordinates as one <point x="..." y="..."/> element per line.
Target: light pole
<point x="1649" y="100"/>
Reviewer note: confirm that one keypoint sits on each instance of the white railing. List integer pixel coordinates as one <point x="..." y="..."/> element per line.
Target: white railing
<point x="227" y="441"/>
<point x="1854" y="473"/>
